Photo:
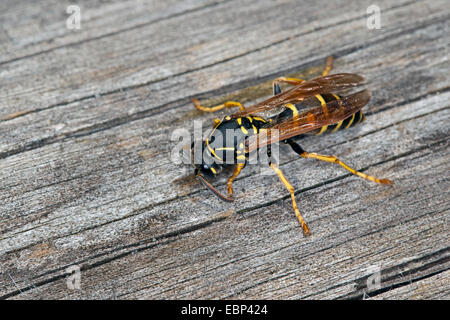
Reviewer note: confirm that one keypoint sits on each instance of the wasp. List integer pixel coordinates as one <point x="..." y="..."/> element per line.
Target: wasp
<point x="308" y="107"/>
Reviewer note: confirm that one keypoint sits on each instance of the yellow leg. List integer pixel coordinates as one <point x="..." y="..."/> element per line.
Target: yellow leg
<point x="333" y="159"/>
<point x="236" y="172"/>
<point x="228" y="104"/>
<point x="296" y="81"/>
<point x="292" y="81"/>
<point x="291" y="191"/>
<point x="328" y="66"/>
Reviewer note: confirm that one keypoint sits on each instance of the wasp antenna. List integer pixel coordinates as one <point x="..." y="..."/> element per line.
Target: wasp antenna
<point x="212" y="189"/>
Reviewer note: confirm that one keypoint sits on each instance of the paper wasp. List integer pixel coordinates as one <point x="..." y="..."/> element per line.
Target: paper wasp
<point x="309" y="107"/>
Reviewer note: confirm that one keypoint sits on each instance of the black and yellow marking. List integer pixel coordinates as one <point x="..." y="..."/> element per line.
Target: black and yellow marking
<point x="213" y="153"/>
<point x="349" y="122"/>
<point x="208" y="140"/>
<point x="337" y="126"/>
<point x="246" y="126"/>
<point x="360" y="117"/>
<point x="323" y="103"/>
<point x="352" y="118"/>
<point x="293" y="108"/>
<point x="322" y="130"/>
<point x="259" y="119"/>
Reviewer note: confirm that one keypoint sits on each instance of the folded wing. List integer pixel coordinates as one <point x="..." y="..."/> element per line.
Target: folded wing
<point x="321" y="85"/>
<point x="334" y="112"/>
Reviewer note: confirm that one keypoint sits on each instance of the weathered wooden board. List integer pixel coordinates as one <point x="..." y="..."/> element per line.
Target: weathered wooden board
<point x="86" y="176"/>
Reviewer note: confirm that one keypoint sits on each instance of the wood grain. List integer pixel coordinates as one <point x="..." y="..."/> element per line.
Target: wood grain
<point x="86" y="176"/>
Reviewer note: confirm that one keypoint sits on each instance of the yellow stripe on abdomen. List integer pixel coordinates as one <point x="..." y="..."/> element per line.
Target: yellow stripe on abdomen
<point x="322" y="103"/>
<point x="322" y="130"/>
<point x="337" y="126"/>
<point x="350" y="122"/>
<point x="293" y="109"/>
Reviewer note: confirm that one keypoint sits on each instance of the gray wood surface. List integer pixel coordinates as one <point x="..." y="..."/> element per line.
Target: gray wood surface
<point x="87" y="180"/>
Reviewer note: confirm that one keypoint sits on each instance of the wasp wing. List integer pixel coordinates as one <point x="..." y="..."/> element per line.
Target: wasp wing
<point x="321" y="85"/>
<point x="333" y="112"/>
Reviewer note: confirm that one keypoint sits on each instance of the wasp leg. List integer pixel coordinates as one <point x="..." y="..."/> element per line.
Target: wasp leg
<point x="295" y="81"/>
<point x="236" y="172"/>
<point x="291" y="191"/>
<point x="291" y="81"/>
<point x="299" y="150"/>
<point x="328" y="66"/>
<point x="228" y="104"/>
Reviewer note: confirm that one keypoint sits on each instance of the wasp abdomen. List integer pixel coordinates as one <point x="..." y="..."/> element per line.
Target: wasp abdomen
<point x="351" y="121"/>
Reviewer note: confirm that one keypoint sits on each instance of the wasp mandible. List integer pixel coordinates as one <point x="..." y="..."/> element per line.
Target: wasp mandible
<point x="308" y="107"/>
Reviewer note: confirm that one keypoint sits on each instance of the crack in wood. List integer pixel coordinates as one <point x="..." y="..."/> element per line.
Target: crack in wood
<point x="246" y="82"/>
<point x="138" y="247"/>
<point x="351" y="281"/>
<point x="266" y="204"/>
<point x="144" y="244"/>
<point x="113" y="123"/>
<point x="202" y="255"/>
<point x="106" y="35"/>
<point x="396" y="278"/>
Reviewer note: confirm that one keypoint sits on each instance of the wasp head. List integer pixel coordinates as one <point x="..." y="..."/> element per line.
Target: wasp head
<point x="203" y="161"/>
